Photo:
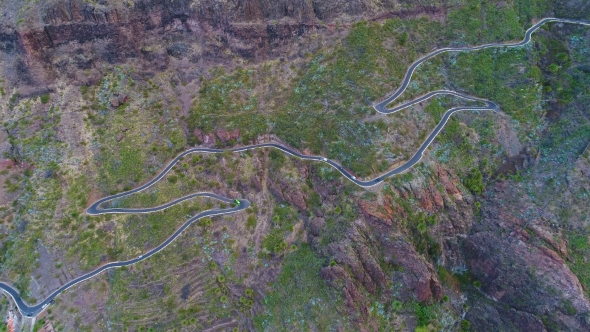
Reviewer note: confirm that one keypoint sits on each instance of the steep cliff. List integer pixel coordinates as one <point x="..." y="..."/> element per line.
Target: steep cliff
<point x="209" y="32"/>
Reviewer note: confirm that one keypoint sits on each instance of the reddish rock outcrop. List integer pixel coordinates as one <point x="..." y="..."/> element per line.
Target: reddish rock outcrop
<point x="373" y="210"/>
<point x="316" y="225"/>
<point x="548" y="237"/>
<point x="287" y="192"/>
<point x="339" y="278"/>
<point x="234" y="134"/>
<point x="417" y="275"/>
<point x="430" y="198"/>
<point x="6" y="163"/>
<point x="198" y="134"/>
<point x="448" y="184"/>
<point x="208" y="140"/>
<point x="223" y="135"/>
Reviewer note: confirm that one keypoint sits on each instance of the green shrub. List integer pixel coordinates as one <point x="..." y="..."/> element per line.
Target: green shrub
<point x="205" y="222"/>
<point x="277" y="158"/>
<point x="465" y="325"/>
<point x="403" y="38"/>
<point x="251" y="222"/>
<point x="172" y="178"/>
<point x="44" y="98"/>
<point x="578" y="242"/>
<point x="474" y="181"/>
<point x="554" y="68"/>
<point x="424" y="313"/>
<point x="569" y="307"/>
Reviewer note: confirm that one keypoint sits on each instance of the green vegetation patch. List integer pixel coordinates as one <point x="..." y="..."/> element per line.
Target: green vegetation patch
<point x="149" y="230"/>
<point x="578" y="254"/>
<point x="300" y="300"/>
<point x="283" y="220"/>
<point x="484" y="21"/>
<point x="134" y="139"/>
<point x="227" y="101"/>
<point x="194" y="297"/>
<point x="37" y="188"/>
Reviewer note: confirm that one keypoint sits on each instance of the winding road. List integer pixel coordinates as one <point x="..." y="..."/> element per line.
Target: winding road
<point x="381" y="107"/>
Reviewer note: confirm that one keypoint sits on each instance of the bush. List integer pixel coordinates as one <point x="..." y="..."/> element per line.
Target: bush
<point x="277" y="159"/>
<point x="554" y="68"/>
<point x="280" y="247"/>
<point x="205" y="222"/>
<point x="403" y="38"/>
<point x="424" y="313"/>
<point x="396" y="305"/>
<point x="569" y="307"/>
<point x="251" y="222"/>
<point x="44" y="98"/>
<point x="465" y="325"/>
<point x="172" y="178"/>
<point x="474" y="182"/>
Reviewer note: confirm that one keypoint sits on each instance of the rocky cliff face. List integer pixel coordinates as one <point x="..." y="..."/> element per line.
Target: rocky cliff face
<point x="517" y="278"/>
<point x="152" y="32"/>
<point x="526" y="285"/>
<point x="378" y="255"/>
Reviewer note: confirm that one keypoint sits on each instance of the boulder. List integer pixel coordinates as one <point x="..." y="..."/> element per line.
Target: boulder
<point x="208" y="140"/>
<point x="223" y="135"/>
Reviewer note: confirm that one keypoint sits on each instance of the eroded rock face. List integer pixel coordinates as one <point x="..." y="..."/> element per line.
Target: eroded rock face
<point x="316" y="225"/>
<point x="288" y="192"/>
<point x="360" y="258"/>
<point x="206" y="31"/>
<point x="357" y="272"/>
<point x="339" y="278"/>
<point x="449" y="183"/>
<point x="382" y="213"/>
<point x="484" y="315"/>
<point x="417" y="275"/>
<point x="527" y="279"/>
<point x="225" y="136"/>
<point x="526" y="284"/>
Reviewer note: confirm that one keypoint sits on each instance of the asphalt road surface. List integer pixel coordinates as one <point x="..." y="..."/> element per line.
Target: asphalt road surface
<point x="96" y="209"/>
